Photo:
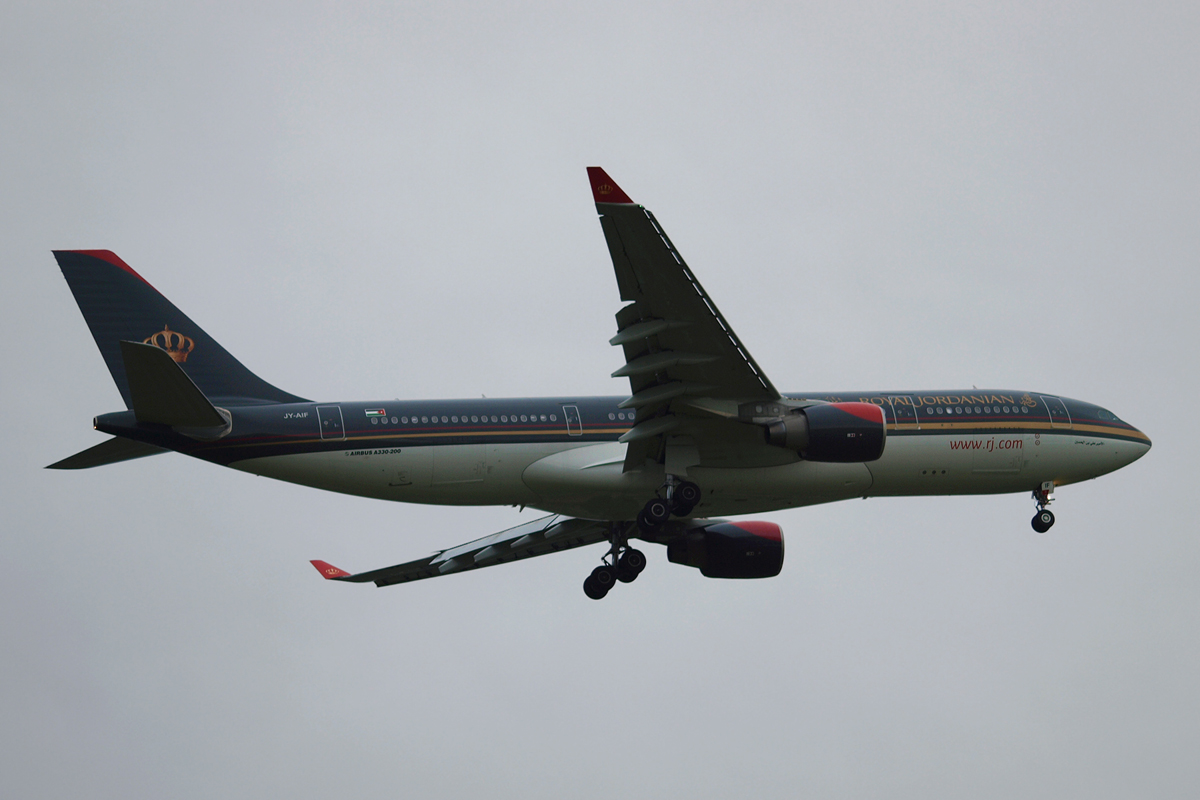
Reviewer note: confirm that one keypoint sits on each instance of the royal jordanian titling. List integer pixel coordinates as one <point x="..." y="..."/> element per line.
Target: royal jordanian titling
<point x="703" y="433"/>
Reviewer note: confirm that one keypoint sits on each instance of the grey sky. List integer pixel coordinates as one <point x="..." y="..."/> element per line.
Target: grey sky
<point x="389" y="200"/>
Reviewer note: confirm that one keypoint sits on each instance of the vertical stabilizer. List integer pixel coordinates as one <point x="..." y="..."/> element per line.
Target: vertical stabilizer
<point x="119" y="305"/>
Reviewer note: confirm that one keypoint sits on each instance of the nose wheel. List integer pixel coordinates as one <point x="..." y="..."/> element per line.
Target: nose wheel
<point x="621" y="563"/>
<point x="1043" y="520"/>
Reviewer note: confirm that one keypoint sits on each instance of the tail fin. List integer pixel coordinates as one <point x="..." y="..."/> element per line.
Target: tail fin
<point x="119" y="305"/>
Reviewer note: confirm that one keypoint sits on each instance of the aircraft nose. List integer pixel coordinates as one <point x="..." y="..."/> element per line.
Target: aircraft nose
<point x="1139" y="448"/>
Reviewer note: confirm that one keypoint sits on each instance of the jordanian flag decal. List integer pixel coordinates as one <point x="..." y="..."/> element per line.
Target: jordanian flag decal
<point x="376" y="412"/>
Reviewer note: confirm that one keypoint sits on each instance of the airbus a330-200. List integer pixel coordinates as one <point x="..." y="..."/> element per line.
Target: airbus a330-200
<point x="703" y="434"/>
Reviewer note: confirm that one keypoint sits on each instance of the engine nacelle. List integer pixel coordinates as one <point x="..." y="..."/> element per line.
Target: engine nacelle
<point x="731" y="550"/>
<point x="835" y="432"/>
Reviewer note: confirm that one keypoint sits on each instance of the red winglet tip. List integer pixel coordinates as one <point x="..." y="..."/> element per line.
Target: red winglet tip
<point x="604" y="188"/>
<point x="329" y="571"/>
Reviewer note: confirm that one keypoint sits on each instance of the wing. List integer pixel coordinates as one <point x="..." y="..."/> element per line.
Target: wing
<point x="538" y="538"/>
<point x="690" y="376"/>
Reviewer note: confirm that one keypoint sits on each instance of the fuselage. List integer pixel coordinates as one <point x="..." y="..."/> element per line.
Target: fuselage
<point x="561" y="454"/>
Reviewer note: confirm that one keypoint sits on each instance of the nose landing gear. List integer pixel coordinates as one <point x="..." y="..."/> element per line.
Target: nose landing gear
<point x="1043" y="520"/>
<point x="621" y="563"/>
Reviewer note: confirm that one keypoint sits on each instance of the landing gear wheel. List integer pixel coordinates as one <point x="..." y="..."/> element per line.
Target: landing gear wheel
<point x="645" y="525"/>
<point x="630" y="565"/>
<point x="1043" y="520"/>
<point x="656" y="511"/>
<point x="653" y="515"/>
<point x="684" y="498"/>
<point x="599" y="582"/>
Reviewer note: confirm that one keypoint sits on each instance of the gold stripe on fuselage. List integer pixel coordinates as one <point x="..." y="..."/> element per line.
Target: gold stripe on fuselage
<point x="925" y="428"/>
<point x="1018" y="427"/>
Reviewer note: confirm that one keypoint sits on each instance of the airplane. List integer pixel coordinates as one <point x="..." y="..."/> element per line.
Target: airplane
<point x="702" y="435"/>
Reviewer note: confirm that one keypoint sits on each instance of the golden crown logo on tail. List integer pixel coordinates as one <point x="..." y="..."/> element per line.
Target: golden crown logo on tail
<point x="175" y="343"/>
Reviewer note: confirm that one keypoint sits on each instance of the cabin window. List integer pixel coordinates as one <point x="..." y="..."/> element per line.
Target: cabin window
<point x="554" y="418"/>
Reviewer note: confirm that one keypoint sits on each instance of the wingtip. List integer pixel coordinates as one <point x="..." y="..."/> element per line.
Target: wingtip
<point x="605" y="189"/>
<point x="328" y="571"/>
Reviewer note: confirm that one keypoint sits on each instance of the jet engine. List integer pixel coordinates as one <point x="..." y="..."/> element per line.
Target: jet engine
<point x="731" y="550"/>
<point x="835" y="432"/>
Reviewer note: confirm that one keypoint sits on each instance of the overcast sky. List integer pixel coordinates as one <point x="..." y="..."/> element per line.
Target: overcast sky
<point x="388" y="200"/>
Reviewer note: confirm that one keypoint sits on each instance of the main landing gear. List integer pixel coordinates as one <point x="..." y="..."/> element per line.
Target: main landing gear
<point x="681" y="498"/>
<point x="1043" y="520"/>
<point x="621" y="563"/>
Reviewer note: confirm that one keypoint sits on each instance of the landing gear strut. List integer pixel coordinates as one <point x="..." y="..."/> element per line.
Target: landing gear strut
<point x="1043" y="520"/>
<point x="681" y="498"/>
<point x="621" y="563"/>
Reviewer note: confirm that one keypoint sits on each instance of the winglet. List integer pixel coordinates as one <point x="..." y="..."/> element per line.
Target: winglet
<point x="605" y="189"/>
<point x="329" y="571"/>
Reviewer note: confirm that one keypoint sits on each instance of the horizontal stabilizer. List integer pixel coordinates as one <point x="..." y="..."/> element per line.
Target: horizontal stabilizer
<point x="163" y="394"/>
<point x="113" y="451"/>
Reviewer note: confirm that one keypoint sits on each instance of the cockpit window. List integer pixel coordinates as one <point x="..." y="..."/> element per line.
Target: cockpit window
<point x="1103" y="413"/>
